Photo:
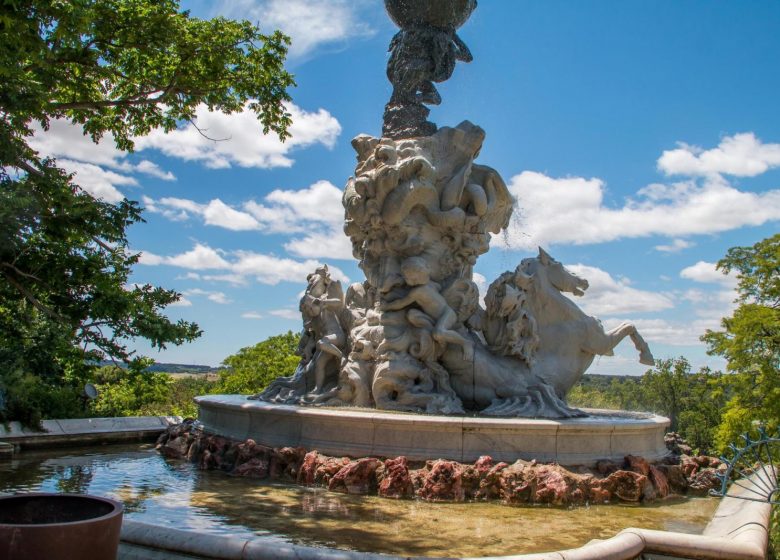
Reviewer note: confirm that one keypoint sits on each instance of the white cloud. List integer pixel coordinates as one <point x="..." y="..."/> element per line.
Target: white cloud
<point x="216" y="297"/>
<point x="265" y="269"/>
<point x="572" y="210"/>
<point x="252" y="315"/>
<point x="183" y="302"/>
<point x="309" y="23"/>
<point x="315" y="212"/>
<point x="741" y="155"/>
<point x="97" y="181"/>
<point x="292" y="210"/>
<point x="288" y="313"/>
<point x="239" y="139"/>
<point x="233" y="279"/>
<point x="217" y="213"/>
<point x="482" y="285"/>
<point x="200" y="257"/>
<point x="150" y="168"/>
<point x="326" y="244"/>
<point x="675" y="246"/>
<point x="268" y="269"/>
<point x="706" y="272"/>
<point x="77" y="153"/>
<point x="67" y="140"/>
<point x="608" y="296"/>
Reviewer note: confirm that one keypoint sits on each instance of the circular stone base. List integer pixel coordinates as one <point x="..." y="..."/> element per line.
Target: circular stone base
<point x="605" y="434"/>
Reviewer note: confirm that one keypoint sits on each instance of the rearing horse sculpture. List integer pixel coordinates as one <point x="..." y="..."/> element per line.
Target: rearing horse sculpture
<point x="565" y="342"/>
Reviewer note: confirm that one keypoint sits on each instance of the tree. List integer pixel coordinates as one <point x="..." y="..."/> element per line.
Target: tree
<point x="252" y="368"/>
<point x="750" y="339"/>
<point x="693" y="402"/>
<point x="123" y="67"/>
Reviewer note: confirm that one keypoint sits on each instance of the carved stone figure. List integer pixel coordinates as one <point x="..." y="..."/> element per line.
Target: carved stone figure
<point x="322" y="344"/>
<point x="424" y="51"/>
<point x="419" y="212"/>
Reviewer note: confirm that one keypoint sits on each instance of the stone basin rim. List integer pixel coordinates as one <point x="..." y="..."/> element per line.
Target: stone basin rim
<point x="419" y="437"/>
<point x="595" y="416"/>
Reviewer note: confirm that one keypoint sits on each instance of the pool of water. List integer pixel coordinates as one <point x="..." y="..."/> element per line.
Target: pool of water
<point x="174" y="493"/>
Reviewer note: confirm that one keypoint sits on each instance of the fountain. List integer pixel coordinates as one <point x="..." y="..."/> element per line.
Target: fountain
<point x="413" y="361"/>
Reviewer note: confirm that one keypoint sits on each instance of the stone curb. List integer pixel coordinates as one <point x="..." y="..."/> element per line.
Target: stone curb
<point x="86" y="430"/>
<point x="738" y="531"/>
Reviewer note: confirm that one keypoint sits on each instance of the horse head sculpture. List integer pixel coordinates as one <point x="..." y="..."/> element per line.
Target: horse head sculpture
<point x="556" y="274"/>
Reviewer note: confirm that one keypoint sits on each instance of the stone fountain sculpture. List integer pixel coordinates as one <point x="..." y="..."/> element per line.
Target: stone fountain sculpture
<point x="419" y="212"/>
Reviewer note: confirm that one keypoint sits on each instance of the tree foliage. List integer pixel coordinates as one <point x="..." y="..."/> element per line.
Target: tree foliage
<point x="693" y="401"/>
<point x="123" y="67"/>
<point x="750" y="339"/>
<point x="252" y="368"/>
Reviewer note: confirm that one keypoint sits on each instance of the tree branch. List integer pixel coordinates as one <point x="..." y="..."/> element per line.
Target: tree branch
<point x="28" y="295"/>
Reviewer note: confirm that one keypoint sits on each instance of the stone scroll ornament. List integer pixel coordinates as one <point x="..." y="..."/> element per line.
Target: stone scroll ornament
<point x="419" y="211"/>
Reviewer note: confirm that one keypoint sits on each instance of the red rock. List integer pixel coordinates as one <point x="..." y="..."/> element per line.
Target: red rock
<point x="308" y="468"/>
<point x="705" y="461"/>
<point x="601" y="490"/>
<point x="636" y="464"/>
<point x="660" y="482"/>
<point x="418" y="477"/>
<point x="490" y="485"/>
<point x="628" y="485"/>
<point x="689" y="466"/>
<point x="396" y="482"/>
<point x="675" y="477"/>
<point x="515" y="487"/>
<point x="253" y="468"/>
<point x="175" y="448"/>
<point x="606" y="468"/>
<point x="484" y="464"/>
<point x="551" y="486"/>
<point x="649" y="493"/>
<point x="162" y="438"/>
<point x="358" y="477"/>
<point x="286" y="462"/>
<point x="193" y="454"/>
<point x="443" y="482"/>
<point x="208" y="460"/>
<point x="704" y="481"/>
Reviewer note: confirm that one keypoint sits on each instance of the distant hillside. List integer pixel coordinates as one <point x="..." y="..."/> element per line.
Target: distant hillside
<point x="603" y="381"/>
<point x="172" y="368"/>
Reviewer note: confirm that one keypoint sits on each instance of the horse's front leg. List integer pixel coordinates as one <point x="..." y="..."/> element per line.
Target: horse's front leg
<point x="603" y="345"/>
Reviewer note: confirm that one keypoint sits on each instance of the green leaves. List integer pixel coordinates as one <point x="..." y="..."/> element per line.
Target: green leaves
<point x="124" y="67"/>
<point x="130" y="66"/>
<point x="750" y="339"/>
<point x="252" y="368"/>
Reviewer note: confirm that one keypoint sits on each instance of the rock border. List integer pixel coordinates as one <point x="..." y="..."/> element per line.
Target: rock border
<point x="523" y="482"/>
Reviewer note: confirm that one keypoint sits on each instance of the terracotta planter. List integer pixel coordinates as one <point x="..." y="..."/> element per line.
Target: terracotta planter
<point x="59" y="527"/>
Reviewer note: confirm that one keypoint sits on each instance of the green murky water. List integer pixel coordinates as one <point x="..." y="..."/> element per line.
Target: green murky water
<point x="174" y="493"/>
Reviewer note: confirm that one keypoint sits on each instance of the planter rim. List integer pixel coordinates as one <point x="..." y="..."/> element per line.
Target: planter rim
<point x="117" y="508"/>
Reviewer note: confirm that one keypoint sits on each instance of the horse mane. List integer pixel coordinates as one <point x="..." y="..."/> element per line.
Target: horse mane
<point x="517" y="331"/>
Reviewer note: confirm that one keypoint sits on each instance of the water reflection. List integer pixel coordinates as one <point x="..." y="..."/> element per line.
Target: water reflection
<point x="174" y="493"/>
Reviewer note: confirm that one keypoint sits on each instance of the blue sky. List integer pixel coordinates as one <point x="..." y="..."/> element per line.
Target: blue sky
<point x="641" y="140"/>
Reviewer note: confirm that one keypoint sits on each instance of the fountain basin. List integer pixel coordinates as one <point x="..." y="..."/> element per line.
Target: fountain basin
<point x="356" y="432"/>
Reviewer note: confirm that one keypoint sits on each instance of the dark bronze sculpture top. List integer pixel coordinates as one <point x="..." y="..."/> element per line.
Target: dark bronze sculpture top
<point x="424" y="51"/>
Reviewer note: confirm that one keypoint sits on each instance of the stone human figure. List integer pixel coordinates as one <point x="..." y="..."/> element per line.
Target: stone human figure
<point x="320" y="306"/>
<point x="425" y="293"/>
